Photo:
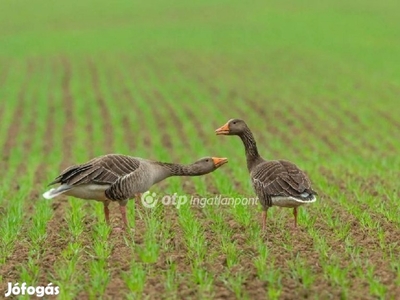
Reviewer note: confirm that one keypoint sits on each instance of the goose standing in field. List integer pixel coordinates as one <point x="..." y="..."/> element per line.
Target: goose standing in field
<point x="276" y="182"/>
<point x="116" y="177"/>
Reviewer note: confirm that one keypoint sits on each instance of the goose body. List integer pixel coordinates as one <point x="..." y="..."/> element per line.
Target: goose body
<point x="117" y="177"/>
<point x="276" y="182"/>
<point x="281" y="183"/>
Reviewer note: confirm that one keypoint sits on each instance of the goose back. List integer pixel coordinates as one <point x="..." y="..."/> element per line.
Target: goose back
<point x="104" y="169"/>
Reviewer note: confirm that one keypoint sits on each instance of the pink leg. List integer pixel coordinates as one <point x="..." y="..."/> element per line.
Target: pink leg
<point x="264" y="219"/>
<point x="107" y="212"/>
<point x="122" y="209"/>
<point x="295" y="216"/>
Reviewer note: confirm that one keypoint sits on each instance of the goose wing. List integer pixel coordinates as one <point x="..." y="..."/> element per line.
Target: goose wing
<point x="100" y="170"/>
<point x="280" y="178"/>
<point x="126" y="187"/>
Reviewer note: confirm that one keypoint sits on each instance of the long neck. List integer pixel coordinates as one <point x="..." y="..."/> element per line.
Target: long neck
<point x="172" y="169"/>
<point x="250" y="147"/>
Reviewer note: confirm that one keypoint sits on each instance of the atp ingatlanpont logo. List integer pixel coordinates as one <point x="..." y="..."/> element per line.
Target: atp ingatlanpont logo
<point x="150" y="200"/>
<point x="38" y="291"/>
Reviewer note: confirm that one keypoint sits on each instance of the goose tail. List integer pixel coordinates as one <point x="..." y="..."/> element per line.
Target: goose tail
<point x="54" y="192"/>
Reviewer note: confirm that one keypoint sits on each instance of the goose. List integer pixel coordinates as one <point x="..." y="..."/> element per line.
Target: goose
<point x="117" y="177"/>
<point x="275" y="182"/>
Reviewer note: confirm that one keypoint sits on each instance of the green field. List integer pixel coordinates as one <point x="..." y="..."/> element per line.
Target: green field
<point x="317" y="83"/>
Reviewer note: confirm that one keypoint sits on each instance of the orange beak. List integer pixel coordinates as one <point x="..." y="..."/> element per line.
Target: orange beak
<point x="223" y="129"/>
<point x="219" y="161"/>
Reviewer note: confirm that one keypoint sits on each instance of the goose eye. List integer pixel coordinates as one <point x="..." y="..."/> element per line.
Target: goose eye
<point x="234" y="123"/>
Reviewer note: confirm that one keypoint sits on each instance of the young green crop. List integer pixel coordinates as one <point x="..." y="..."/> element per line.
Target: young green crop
<point x="171" y="279"/>
<point x="155" y="81"/>
<point x="135" y="280"/>
<point x="235" y="284"/>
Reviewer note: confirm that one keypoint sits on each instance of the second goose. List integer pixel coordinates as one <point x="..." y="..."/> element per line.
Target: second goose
<point x="276" y="182"/>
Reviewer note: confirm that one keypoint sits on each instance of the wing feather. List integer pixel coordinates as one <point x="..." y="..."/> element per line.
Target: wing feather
<point x="101" y="170"/>
<point x="280" y="178"/>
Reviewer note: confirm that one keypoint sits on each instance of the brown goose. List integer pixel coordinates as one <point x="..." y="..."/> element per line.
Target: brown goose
<point x="276" y="182"/>
<point x="116" y="177"/>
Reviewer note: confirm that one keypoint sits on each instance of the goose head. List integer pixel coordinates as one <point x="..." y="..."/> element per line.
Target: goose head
<point x="232" y="127"/>
<point x="207" y="164"/>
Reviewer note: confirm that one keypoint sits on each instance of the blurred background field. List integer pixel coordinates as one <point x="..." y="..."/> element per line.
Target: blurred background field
<point x="317" y="82"/>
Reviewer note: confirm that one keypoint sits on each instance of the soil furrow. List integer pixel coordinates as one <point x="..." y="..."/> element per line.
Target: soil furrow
<point x="173" y="251"/>
<point x="122" y="254"/>
<point x="221" y="100"/>
<point x="321" y="134"/>
<point x="211" y="187"/>
<point x="14" y="130"/>
<point x="10" y="269"/>
<point x="3" y="79"/>
<point x="122" y="97"/>
<point x="138" y="75"/>
<point x="253" y="286"/>
<point x="29" y="138"/>
<point x="365" y="238"/>
<point x="366" y="187"/>
<point x="55" y="243"/>
<point x="193" y="117"/>
<point x="339" y="115"/>
<point x="274" y="126"/>
<point x="106" y="120"/>
<point x="69" y="110"/>
<point x="4" y="73"/>
<point x="390" y="118"/>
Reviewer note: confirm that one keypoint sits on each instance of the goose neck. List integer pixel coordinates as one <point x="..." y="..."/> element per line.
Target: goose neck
<point x="250" y="147"/>
<point x="174" y="169"/>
